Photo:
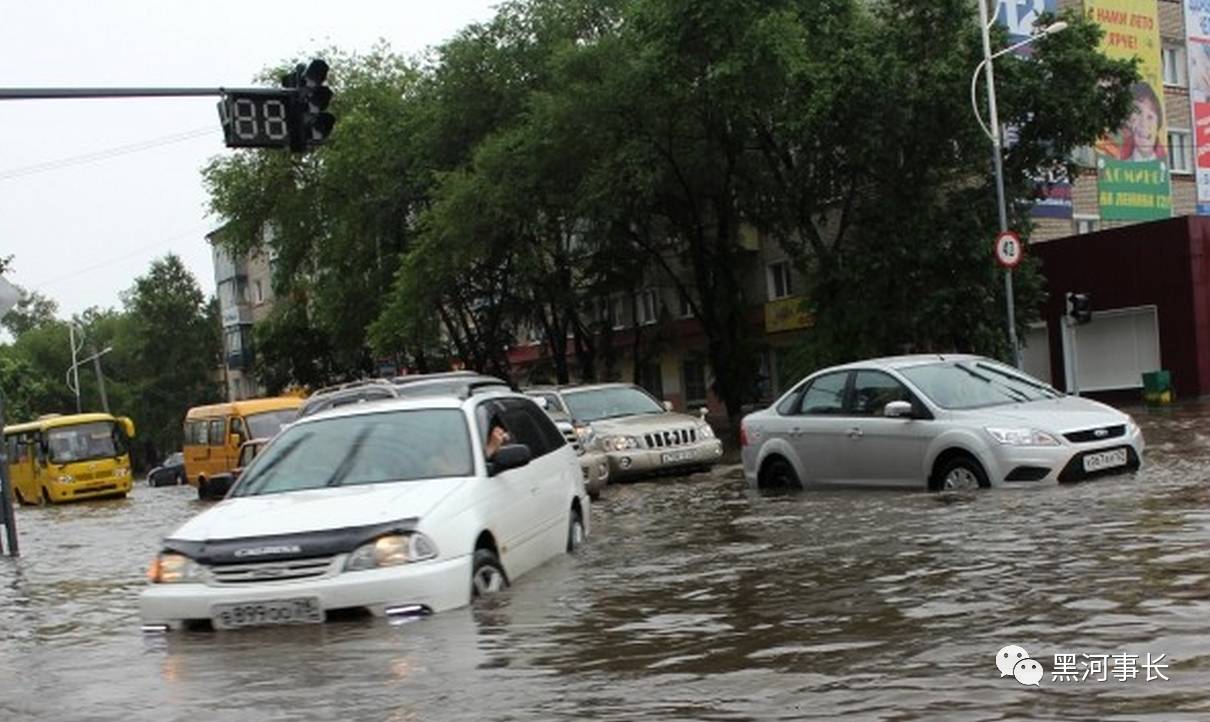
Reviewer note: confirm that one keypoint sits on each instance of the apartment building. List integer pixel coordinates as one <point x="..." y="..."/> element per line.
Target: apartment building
<point x="245" y="295"/>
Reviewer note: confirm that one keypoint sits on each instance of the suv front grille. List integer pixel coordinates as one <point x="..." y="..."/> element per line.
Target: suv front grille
<point x="572" y="438"/>
<point x="278" y="571"/>
<point x="671" y="437"/>
<point x="1099" y="434"/>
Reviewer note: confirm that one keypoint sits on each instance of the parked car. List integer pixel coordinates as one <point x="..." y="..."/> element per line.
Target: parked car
<point x="434" y="384"/>
<point x="637" y="434"/>
<point x="389" y="507"/>
<point x="171" y="472"/>
<point x="217" y="486"/>
<point x="941" y="422"/>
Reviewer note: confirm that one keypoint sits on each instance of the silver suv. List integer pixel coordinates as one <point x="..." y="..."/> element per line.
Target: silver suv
<point x="637" y="434"/>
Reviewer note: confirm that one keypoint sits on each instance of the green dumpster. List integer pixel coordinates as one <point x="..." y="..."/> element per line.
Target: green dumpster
<point x="1157" y="387"/>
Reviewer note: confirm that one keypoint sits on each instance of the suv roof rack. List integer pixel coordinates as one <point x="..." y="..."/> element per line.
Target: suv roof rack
<point x="435" y="375"/>
<point x="349" y="385"/>
<point x="483" y="384"/>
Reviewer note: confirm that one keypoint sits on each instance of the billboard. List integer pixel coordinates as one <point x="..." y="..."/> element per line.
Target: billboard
<point x="1197" y="48"/>
<point x="1050" y="195"/>
<point x="1132" y="164"/>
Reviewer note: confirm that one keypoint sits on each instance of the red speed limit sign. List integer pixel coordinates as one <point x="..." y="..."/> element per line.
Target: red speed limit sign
<point x="1008" y="249"/>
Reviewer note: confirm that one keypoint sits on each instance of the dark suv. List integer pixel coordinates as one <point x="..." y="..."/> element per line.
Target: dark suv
<point x="416" y="385"/>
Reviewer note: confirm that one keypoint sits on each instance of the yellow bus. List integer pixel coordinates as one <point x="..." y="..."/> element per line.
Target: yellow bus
<point x="68" y="457"/>
<point x="213" y="433"/>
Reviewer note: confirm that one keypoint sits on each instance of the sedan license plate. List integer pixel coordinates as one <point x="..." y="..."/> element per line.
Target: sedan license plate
<point x="672" y="457"/>
<point x="304" y="610"/>
<point x="1104" y="460"/>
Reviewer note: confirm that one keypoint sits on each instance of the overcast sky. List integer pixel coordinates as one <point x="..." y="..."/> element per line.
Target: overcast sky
<point x="81" y="232"/>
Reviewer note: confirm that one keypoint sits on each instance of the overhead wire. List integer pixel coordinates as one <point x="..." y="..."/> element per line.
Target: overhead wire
<point x="106" y="154"/>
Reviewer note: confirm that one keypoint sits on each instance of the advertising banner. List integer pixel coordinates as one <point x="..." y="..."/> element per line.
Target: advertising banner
<point x="1197" y="49"/>
<point x="1051" y="196"/>
<point x="1132" y="164"/>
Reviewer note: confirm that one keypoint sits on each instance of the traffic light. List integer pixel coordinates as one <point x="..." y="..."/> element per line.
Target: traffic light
<point x="310" y="122"/>
<point x="1079" y="307"/>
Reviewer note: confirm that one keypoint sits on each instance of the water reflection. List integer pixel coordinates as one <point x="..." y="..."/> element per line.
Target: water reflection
<point x="696" y="599"/>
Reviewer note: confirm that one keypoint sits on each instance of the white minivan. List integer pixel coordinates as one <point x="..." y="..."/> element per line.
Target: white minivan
<point x="388" y="508"/>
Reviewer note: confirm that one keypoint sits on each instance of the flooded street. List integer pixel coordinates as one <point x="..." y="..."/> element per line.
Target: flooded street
<point x="695" y="599"/>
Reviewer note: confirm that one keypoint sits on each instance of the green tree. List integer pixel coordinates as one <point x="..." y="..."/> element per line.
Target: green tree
<point x="33" y="309"/>
<point x="175" y="345"/>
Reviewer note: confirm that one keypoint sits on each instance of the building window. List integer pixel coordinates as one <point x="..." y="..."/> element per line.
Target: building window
<point x="1173" y="59"/>
<point x="1085" y="224"/>
<point x="617" y="311"/>
<point x="779" y="280"/>
<point x="693" y="378"/>
<point x="651" y="379"/>
<point x="686" y="307"/>
<point x="645" y="307"/>
<point x="260" y="291"/>
<point x="1180" y="145"/>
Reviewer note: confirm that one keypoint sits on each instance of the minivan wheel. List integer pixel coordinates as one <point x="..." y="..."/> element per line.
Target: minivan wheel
<point x="779" y="474"/>
<point x="45" y="501"/>
<point x="575" y="532"/>
<point x="487" y="576"/>
<point x="962" y="473"/>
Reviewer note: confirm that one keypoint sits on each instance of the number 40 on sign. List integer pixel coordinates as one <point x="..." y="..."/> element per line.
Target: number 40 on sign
<point x="1008" y="249"/>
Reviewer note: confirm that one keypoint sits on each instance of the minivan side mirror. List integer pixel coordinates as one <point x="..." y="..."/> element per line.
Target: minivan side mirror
<point x="509" y="456"/>
<point x="899" y="410"/>
<point x="127" y="426"/>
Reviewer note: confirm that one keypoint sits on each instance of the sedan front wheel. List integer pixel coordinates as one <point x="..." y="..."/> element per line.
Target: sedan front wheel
<point x="962" y="473"/>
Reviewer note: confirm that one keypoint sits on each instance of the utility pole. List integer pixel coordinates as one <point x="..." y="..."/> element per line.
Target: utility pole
<point x="74" y="381"/>
<point x="96" y="364"/>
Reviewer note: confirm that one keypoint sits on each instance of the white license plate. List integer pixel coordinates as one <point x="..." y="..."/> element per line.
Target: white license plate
<point x="1104" y="460"/>
<point x="304" y="610"/>
<point x="672" y="457"/>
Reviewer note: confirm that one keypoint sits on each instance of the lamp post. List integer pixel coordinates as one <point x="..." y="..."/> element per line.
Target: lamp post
<point x="994" y="135"/>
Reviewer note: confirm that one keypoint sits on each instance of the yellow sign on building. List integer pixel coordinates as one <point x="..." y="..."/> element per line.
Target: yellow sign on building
<point x="787" y="314"/>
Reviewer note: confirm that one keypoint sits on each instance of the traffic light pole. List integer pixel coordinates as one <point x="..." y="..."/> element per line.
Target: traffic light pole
<point x="81" y="93"/>
<point x="7" y="516"/>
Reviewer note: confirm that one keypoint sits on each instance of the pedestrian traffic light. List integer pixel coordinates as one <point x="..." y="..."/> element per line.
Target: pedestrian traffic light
<point x="1079" y="307"/>
<point x="310" y="123"/>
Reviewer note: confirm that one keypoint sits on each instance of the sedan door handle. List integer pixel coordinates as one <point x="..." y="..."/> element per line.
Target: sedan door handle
<point x="855" y="433"/>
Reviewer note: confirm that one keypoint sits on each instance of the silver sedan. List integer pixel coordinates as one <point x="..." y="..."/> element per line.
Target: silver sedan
<point x="941" y="422"/>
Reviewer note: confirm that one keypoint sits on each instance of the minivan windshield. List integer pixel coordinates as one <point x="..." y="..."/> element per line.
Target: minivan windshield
<point x="973" y="384"/>
<point x="610" y="402"/>
<point x="362" y="449"/>
<point x="267" y="423"/>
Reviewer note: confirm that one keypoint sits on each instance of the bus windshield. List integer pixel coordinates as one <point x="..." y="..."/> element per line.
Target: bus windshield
<point x="95" y="440"/>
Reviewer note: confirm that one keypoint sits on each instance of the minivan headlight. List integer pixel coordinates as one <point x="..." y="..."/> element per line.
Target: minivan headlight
<point x="619" y="443"/>
<point x="1022" y="437"/>
<point x="391" y="550"/>
<point x="170" y="567"/>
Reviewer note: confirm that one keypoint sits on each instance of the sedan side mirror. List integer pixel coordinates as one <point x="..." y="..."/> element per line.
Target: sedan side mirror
<point x="899" y="410"/>
<point x="509" y="456"/>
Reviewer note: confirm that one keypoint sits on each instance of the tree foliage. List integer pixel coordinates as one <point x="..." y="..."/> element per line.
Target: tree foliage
<point x="567" y="150"/>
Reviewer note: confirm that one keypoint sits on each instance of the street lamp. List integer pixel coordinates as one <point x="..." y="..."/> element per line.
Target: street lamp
<point x="993" y="134"/>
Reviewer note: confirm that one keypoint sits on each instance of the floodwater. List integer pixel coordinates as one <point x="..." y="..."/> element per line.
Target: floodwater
<point x="696" y="599"/>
